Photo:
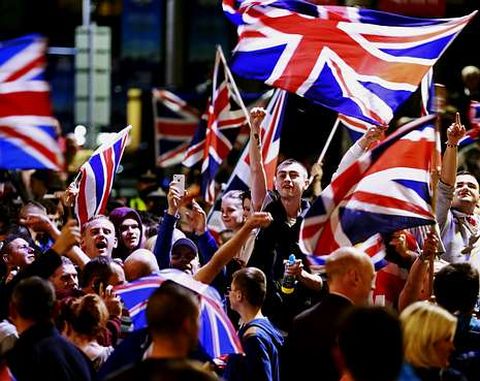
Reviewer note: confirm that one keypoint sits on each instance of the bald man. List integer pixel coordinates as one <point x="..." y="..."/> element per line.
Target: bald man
<point x="140" y="263"/>
<point x="350" y="275"/>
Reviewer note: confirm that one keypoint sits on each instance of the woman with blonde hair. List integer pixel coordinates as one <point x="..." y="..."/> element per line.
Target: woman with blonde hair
<point x="428" y="332"/>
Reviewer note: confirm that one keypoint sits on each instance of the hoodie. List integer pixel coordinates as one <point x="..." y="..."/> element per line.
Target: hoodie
<point x="117" y="216"/>
<point x="262" y="346"/>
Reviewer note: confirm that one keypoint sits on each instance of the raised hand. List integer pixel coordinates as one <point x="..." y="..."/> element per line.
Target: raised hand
<point x="69" y="236"/>
<point x="456" y="131"/>
<point x="372" y="135"/>
<point x="197" y="218"/>
<point x="259" y="220"/>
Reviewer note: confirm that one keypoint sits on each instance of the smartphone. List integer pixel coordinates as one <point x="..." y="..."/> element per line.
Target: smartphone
<point x="179" y="181"/>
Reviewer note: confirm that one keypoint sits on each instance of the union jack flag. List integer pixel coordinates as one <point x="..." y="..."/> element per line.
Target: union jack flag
<point x="474" y="114"/>
<point x="27" y="126"/>
<point x="359" y="62"/>
<point x="271" y="129"/>
<point x="217" y="334"/>
<point x="175" y="125"/>
<point x="96" y="177"/>
<point x="214" y="138"/>
<point x="387" y="189"/>
<point x="355" y="127"/>
<point x="470" y="137"/>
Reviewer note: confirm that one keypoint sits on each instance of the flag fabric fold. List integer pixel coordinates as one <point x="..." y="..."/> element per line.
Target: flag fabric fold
<point x="386" y="189"/>
<point x="356" y="61"/>
<point x="473" y="134"/>
<point x="217" y="334"/>
<point x="97" y="175"/>
<point x="27" y="126"/>
<point x="175" y="125"/>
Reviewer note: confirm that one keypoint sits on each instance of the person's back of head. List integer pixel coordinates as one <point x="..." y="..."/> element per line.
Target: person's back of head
<point x="89" y="315"/>
<point x="350" y="272"/>
<point x="252" y="283"/>
<point x="456" y="287"/>
<point x="97" y="271"/>
<point x="366" y="331"/>
<point x="169" y="308"/>
<point x="33" y="299"/>
<point x="140" y="263"/>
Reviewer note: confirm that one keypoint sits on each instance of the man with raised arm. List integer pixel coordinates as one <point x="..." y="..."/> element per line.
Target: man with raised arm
<point x="457" y="197"/>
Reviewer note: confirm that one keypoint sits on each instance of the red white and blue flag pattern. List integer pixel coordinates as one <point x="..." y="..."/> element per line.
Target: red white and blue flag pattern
<point x="175" y="124"/>
<point x="97" y="175"/>
<point x="387" y="189"/>
<point x="358" y="62"/>
<point x="214" y="137"/>
<point x="271" y="130"/>
<point x="473" y="134"/>
<point x="27" y="127"/>
<point x="217" y="334"/>
<point x="354" y="127"/>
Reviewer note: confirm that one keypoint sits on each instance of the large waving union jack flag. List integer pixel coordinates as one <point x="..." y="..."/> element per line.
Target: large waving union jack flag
<point x="215" y="136"/>
<point x="97" y="175"/>
<point x="359" y="62"/>
<point x="386" y="190"/>
<point x="175" y="125"/>
<point x="27" y="126"/>
<point x="217" y="334"/>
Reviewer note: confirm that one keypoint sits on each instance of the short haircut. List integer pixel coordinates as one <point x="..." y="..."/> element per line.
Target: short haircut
<point x="253" y="284"/>
<point x="343" y="259"/>
<point x="456" y="287"/>
<point x="367" y="330"/>
<point x="33" y="299"/>
<point x="87" y="224"/>
<point x="465" y="172"/>
<point x="289" y="162"/>
<point x="423" y="324"/>
<point x="169" y="307"/>
<point x="100" y="268"/>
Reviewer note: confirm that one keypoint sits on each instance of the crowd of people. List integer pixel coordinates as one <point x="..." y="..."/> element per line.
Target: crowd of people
<point x="62" y="318"/>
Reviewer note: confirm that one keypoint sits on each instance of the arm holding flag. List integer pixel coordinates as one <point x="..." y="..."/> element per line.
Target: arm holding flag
<point x="417" y="285"/>
<point x="257" y="169"/>
<point x="372" y="135"/>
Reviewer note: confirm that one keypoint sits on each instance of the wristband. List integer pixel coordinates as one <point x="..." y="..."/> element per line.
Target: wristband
<point x="452" y="145"/>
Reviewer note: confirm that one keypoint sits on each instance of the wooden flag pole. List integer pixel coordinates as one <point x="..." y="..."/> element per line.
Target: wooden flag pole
<point x="329" y="141"/>
<point x="234" y="85"/>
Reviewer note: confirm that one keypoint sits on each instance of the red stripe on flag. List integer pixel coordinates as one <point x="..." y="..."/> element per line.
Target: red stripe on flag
<point x="176" y="129"/>
<point x="38" y="62"/>
<point x="31" y="142"/>
<point x="82" y="212"/>
<point x="25" y="103"/>
<point x="109" y="172"/>
<point x="389" y="202"/>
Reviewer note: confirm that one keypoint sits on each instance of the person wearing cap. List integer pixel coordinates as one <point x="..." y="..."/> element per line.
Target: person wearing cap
<point x="184" y="255"/>
<point x="128" y="229"/>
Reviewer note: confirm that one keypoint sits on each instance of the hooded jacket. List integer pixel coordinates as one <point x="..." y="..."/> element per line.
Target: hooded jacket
<point x="117" y="216"/>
